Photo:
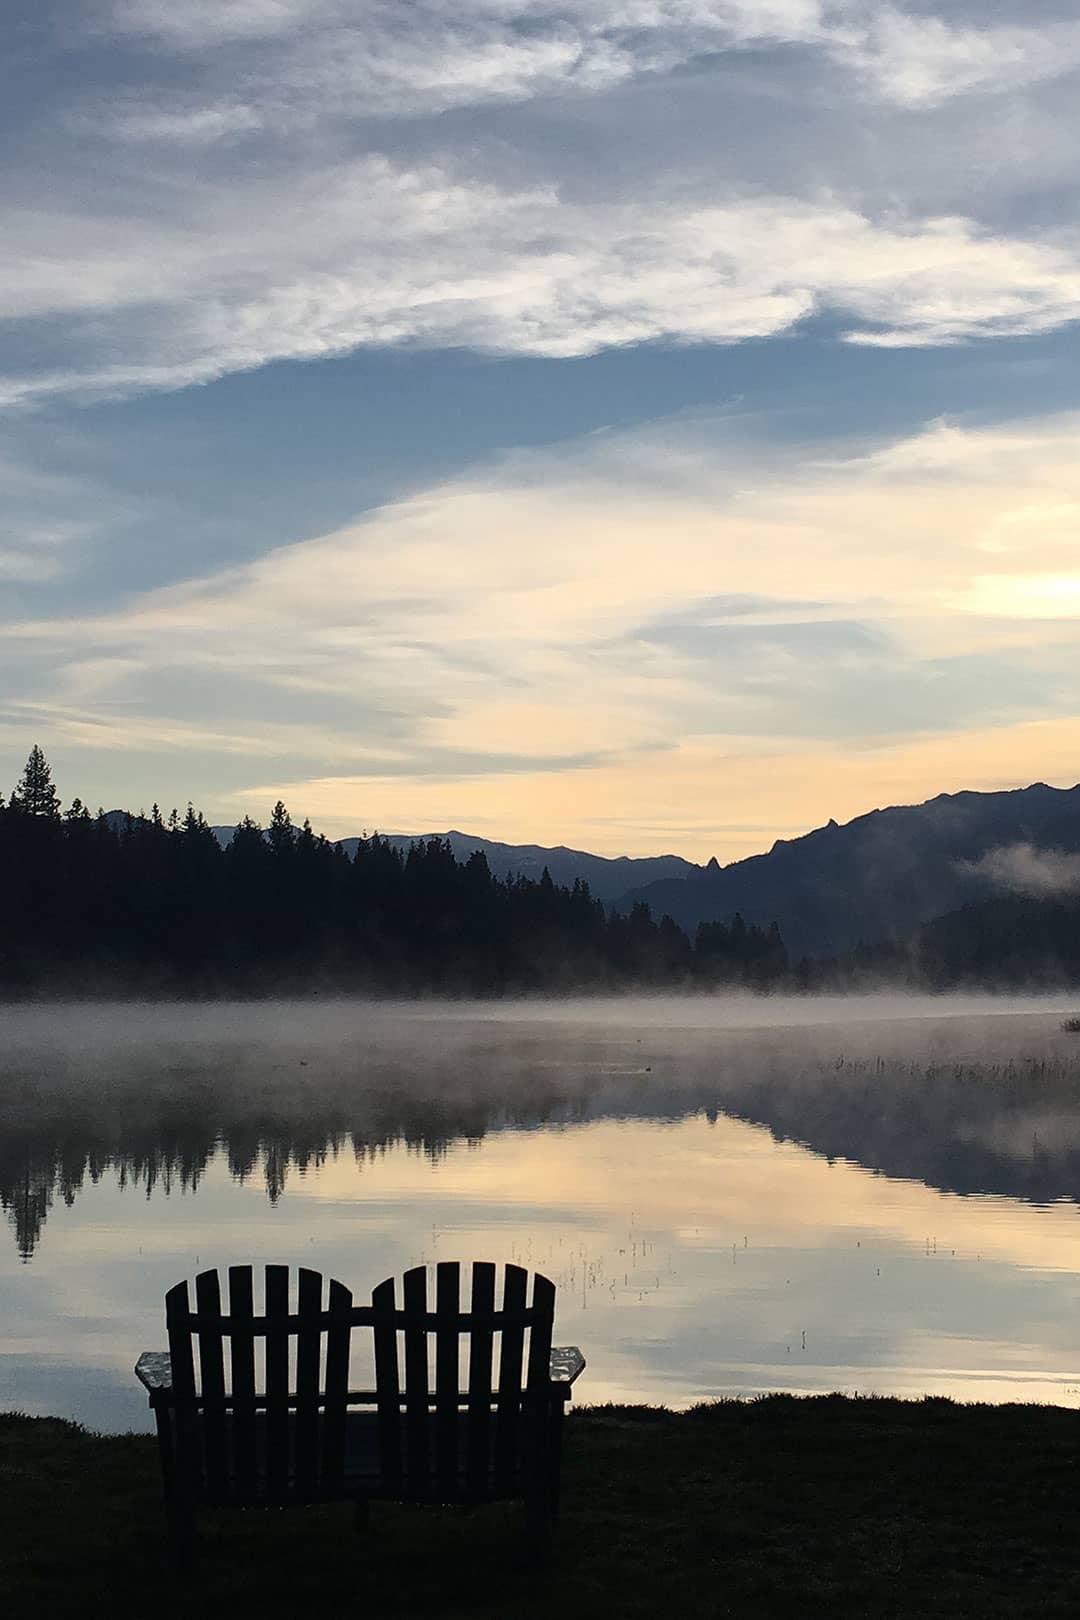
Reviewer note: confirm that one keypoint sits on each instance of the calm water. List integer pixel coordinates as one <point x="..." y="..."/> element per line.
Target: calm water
<point x="731" y="1196"/>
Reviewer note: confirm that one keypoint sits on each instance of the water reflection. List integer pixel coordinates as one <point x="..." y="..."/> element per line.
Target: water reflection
<point x="975" y="1106"/>
<point x="698" y="1190"/>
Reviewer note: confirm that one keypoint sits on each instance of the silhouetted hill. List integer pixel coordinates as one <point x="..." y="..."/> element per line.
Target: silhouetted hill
<point x="607" y="877"/>
<point x="1012" y="940"/>
<point x="877" y="878"/>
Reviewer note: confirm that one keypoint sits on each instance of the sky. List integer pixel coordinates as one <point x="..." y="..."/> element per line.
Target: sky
<point x="645" y="425"/>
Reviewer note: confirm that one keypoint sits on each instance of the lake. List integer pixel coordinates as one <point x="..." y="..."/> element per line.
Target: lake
<point x="731" y="1194"/>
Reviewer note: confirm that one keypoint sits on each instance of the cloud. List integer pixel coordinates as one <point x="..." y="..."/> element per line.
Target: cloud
<point x="920" y="59"/>
<point x="278" y="180"/>
<point x="38" y="553"/>
<point x="471" y="40"/>
<point x="440" y="55"/>
<point x="373" y="254"/>
<point x="1022" y="869"/>
<point x="46" y="515"/>
<point x="184" y="121"/>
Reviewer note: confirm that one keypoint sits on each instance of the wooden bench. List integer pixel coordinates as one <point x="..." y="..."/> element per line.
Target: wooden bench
<point x="278" y="1422"/>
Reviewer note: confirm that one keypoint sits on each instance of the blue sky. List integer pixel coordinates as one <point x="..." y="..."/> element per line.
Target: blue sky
<point x="643" y="424"/>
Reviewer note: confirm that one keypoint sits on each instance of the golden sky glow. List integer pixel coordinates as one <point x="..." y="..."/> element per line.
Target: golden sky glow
<point x="639" y="643"/>
<point x="680" y="800"/>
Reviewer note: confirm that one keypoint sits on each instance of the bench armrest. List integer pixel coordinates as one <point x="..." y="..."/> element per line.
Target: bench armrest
<point x="565" y="1364"/>
<point x="154" y="1371"/>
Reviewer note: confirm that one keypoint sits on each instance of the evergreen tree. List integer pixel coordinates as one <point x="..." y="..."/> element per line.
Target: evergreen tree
<point x="34" y="794"/>
<point x="281" y="832"/>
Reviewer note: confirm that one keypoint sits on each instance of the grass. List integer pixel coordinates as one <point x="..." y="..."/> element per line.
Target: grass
<point x="780" y="1507"/>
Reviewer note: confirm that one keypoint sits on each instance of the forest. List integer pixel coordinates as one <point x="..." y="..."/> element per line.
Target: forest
<point x="148" y="904"/>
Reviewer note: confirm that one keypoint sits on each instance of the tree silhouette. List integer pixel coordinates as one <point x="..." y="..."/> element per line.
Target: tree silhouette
<point x="281" y="833"/>
<point x="146" y="905"/>
<point x="34" y="795"/>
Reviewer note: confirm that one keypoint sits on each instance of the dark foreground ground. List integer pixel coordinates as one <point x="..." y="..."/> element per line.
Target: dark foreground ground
<point x="824" y="1507"/>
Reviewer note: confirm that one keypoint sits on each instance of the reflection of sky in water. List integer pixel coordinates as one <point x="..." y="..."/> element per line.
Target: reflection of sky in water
<point x="695" y="1255"/>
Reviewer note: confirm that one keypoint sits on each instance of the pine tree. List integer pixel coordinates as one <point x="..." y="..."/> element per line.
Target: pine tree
<point x="281" y="833"/>
<point x="35" y="794"/>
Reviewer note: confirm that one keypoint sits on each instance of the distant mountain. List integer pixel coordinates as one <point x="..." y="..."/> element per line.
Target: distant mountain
<point x="877" y="878"/>
<point x="607" y="877"/>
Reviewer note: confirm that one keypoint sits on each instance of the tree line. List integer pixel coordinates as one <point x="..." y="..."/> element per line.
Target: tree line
<point x="149" y="904"/>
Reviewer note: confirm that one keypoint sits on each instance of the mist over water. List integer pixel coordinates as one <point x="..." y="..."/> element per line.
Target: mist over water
<point x="732" y="1193"/>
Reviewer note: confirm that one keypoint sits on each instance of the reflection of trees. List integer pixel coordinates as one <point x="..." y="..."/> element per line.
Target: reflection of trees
<point x="57" y="1159"/>
<point x="1011" y="1130"/>
<point x="160" y="1150"/>
<point x="156" y="1118"/>
<point x="39" y="1167"/>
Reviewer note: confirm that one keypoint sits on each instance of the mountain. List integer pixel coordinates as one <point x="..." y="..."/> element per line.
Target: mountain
<point x="607" y="877"/>
<point x="878" y="877"/>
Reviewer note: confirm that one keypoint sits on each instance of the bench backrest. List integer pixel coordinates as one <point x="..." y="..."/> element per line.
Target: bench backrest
<point x="271" y="1424"/>
<point x="462" y="1390"/>
<point x="479" y="1427"/>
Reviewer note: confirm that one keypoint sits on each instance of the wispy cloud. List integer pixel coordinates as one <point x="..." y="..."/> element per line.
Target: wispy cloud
<point x="439" y="55"/>
<point x="46" y="515"/>
<point x="186" y="121"/>
<point x="925" y="58"/>
<point x="371" y="253"/>
<point x="271" y="180"/>
<point x="476" y="48"/>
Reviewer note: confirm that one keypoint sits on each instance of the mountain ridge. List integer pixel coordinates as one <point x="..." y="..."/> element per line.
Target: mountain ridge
<point x="877" y="877"/>
<point x="874" y="879"/>
<point x="608" y="876"/>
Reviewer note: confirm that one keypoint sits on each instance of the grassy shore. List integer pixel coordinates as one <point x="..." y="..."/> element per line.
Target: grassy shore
<point x="779" y="1507"/>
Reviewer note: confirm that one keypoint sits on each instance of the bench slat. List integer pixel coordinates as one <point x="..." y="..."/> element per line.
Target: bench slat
<point x="481" y="1350"/>
<point x="414" y="1289"/>
<point x="337" y="1383"/>
<point x="387" y="1382"/>
<point x="308" y="1356"/>
<point x="447" y="1345"/>
<point x="212" y="1380"/>
<point x="543" y="1321"/>
<point x="359" y="1315"/>
<point x="242" y="1364"/>
<point x="182" y="1360"/>
<point x="511" y="1351"/>
<point x="277" y="1381"/>
<point x="535" y="1462"/>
